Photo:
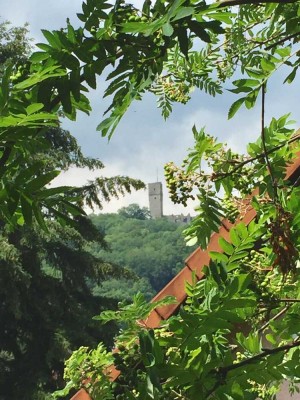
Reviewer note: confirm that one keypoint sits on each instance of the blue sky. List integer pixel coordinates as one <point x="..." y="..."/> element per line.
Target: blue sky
<point x="144" y="142"/>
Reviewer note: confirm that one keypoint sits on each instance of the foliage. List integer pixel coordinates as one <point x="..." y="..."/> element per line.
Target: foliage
<point x="146" y="247"/>
<point x="213" y="347"/>
<point x="124" y="289"/>
<point x="47" y="279"/>
<point x="134" y="211"/>
<point x="235" y="175"/>
<point x="237" y="335"/>
<point x="153" y="49"/>
<point x="14" y="45"/>
<point x="77" y="370"/>
<point x="46" y="296"/>
<point x="29" y="127"/>
<point x="164" y="57"/>
<point x="46" y="266"/>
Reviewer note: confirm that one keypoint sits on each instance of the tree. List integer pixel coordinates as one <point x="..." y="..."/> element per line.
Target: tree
<point x="213" y="348"/>
<point x="47" y="280"/>
<point x="29" y="123"/>
<point x="47" y="271"/>
<point x="134" y="211"/>
<point x="146" y="247"/>
<point x="14" y="45"/>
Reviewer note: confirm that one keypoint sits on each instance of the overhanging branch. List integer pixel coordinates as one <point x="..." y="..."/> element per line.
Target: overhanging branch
<point x="266" y="352"/>
<point x="229" y="3"/>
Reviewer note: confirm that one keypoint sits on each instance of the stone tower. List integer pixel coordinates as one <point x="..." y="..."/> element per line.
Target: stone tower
<point x="155" y="199"/>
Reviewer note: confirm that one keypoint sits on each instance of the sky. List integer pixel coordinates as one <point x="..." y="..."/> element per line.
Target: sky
<point x="144" y="142"/>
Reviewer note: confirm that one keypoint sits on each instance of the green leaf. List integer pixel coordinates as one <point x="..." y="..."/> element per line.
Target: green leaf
<point x="39" y="216"/>
<point x="38" y="56"/>
<point x="227" y="247"/>
<point x="33" y="108"/>
<point x="246" y="82"/>
<point x="167" y="29"/>
<point x="224" y="16"/>
<point x="44" y="193"/>
<point x="40" y="76"/>
<point x="52" y="39"/>
<point x="221" y="257"/>
<point x="234" y="237"/>
<point x="235" y="106"/>
<point x="290" y="78"/>
<point x="73" y="209"/>
<point x="183" y="12"/>
<point x="191" y="241"/>
<point x="41" y="181"/>
<point x="244" y="281"/>
<point x="284" y="51"/>
<point x="183" y="41"/>
<point x="90" y="76"/>
<point x="255" y="73"/>
<point x="26" y="205"/>
<point x="250" y="99"/>
<point x="71" y="34"/>
<point x="240" y="303"/>
<point x="267" y="65"/>
<point x="4" y="89"/>
<point x="135" y="27"/>
<point x="198" y="29"/>
<point x="64" y="92"/>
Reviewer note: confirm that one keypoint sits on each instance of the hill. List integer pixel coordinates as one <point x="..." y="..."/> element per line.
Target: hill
<point x="154" y="250"/>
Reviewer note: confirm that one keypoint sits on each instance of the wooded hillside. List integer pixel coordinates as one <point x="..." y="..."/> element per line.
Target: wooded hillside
<point x="154" y="250"/>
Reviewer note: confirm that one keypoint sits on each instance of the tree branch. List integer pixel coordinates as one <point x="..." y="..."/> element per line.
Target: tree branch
<point x="230" y="3"/>
<point x="293" y="35"/>
<point x="266" y="352"/>
<point x="258" y="157"/>
<point x="289" y="300"/>
<point x="278" y="315"/>
<point x="223" y="371"/>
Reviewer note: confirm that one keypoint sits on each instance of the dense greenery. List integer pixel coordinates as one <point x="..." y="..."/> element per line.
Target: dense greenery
<point x="237" y="335"/>
<point x="135" y="211"/>
<point x="153" y="249"/>
<point x="213" y="348"/>
<point x="47" y="302"/>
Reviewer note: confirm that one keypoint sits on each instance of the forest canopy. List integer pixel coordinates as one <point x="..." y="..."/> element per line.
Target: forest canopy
<point x="153" y="250"/>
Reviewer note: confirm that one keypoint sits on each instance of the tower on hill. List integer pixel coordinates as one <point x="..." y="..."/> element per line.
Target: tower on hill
<point x="155" y="199"/>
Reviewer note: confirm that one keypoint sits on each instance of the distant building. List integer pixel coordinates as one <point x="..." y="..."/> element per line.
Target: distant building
<point x="155" y="192"/>
<point x="179" y="219"/>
